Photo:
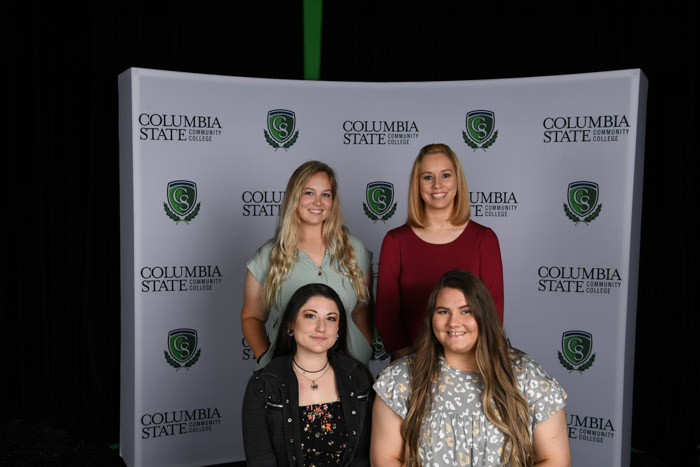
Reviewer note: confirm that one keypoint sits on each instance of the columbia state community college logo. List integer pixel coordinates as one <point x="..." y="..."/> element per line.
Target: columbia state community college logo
<point x="480" y="132"/>
<point x="182" y="203"/>
<point x="280" y="133"/>
<point x="582" y="198"/>
<point x="576" y="347"/>
<point x="182" y="348"/>
<point x="380" y="196"/>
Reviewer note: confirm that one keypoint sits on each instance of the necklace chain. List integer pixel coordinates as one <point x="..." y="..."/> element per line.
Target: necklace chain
<point x="309" y="371"/>
<point x="314" y="385"/>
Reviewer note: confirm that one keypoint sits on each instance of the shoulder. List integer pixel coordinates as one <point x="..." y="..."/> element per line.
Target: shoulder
<point x="399" y="234"/>
<point x="347" y="365"/>
<point x="262" y="254"/>
<point x="363" y="255"/>
<point x="393" y="385"/>
<point x="532" y="378"/>
<point x="475" y="228"/>
<point x="397" y="372"/>
<point x="524" y="364"/>
<point x="276" y="370"/>
<point x="479" y="233"/>
<point x="356" y="244"/>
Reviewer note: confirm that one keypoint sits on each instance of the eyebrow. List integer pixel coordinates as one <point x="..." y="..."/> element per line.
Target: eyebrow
<point x="441" y="170"/>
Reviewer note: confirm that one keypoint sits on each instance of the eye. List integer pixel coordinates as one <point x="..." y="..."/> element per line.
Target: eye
<point x="446" y="175"/>
<point x="427" y="177"/>
<point x="332" y="318"/>
<point x="327" y="195"/>
<point x="309" y="193"/>
<point x="309" y="315"/>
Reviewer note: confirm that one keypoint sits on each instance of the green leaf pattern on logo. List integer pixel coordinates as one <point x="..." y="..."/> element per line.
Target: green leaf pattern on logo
<point x="565" y="363"/>
<point x="374" y="217"/>
<point x="276" y="145"/>
<point x="172" y="215"/>
<point x="186" y="365"/>
<point x="570" y="214"/>
<point x="475" y="146"/>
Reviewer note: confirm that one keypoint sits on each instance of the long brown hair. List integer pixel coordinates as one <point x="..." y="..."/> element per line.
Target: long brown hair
<point x="461" y="210"/>
<point x="503" y="403"/>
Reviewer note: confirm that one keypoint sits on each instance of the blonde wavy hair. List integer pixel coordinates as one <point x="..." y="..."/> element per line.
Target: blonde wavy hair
<point x="503" y="403"/>
<point x="335" y="237"/>
<point x="416" y="206"/>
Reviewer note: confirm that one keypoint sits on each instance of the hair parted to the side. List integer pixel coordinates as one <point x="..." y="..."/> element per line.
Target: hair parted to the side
<point x="335" y="235"/>
<point x="503" y="403"/>
<point x="285" y="343"/>
<point x="461" y="210"/>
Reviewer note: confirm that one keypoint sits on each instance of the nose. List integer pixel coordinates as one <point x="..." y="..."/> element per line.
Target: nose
<point x="452" y="320"/>
<point x="321" y="325"/>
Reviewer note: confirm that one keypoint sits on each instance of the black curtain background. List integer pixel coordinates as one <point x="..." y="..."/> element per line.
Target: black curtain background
<point x="60" y="318"/>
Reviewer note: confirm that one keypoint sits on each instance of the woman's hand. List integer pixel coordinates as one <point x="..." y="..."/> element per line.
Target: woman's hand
<point x="254" y="316"/>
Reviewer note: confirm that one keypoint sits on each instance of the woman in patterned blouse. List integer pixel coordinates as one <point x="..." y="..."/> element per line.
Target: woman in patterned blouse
<point x="465" y="397"/>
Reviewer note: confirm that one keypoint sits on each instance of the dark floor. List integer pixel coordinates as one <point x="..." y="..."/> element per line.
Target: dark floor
<point x="39" y="445"/>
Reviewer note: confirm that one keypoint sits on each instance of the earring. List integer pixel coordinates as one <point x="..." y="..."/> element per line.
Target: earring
<point x="290" y="332"/>
<point x="337" y="336"/>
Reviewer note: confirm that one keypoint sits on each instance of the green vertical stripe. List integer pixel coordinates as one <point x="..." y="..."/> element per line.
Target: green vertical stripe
<point x="313" y="15"/>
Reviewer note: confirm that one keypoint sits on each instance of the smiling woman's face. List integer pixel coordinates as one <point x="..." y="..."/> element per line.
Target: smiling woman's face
<point x="316" y="326"/>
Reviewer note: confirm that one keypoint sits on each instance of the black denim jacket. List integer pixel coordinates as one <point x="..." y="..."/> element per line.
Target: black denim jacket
<point x="271" y="425"/>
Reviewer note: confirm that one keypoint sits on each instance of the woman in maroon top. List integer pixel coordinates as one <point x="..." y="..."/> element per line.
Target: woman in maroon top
<point x="437" y="237"/>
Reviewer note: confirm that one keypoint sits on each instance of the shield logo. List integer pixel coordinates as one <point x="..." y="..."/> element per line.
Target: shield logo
<point x="281" y="124"/>
<point x="582" y="197"/>
<point x="577" y="346"/>
<point x="182" y="344"/>
<point x="480" y="125"/>
<point x="182" y="196"/>
<point x="380" y="196"/>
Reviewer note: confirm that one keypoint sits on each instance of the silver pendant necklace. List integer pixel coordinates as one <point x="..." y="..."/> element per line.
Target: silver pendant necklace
<point x="314" y="385"/>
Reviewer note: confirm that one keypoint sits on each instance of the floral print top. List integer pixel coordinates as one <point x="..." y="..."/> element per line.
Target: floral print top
<point x="455" y="431"/>
<point x="323" y="433"/>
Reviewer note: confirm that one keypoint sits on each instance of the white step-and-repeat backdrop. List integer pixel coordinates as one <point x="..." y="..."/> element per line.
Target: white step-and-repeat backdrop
<point x="554" y="166"/>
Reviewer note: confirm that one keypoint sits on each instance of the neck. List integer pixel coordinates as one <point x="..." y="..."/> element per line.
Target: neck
<point x="462" y="362"/>
<point x="310" y="361"/>
<point x="435" y="219"/>
<point x="311" y="234"/>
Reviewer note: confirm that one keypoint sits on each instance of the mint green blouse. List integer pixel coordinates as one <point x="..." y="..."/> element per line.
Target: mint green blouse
<point x="303" y="272"/>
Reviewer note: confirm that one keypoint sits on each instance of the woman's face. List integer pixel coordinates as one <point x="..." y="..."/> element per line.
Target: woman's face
<point x="455" y="328"/>
<point x="316" y="326"/>
<point x="437" y="182"/>
<point x="316" y="200"/>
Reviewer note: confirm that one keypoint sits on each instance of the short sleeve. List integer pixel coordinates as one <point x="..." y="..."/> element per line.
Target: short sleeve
<point x="543" y="393"/>
<point x="393" y="385"/>
<point x="259" y="264"/>
<point x="364" y="256"/>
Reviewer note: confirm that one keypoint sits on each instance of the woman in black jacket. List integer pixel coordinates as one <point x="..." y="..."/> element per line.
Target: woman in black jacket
<point x="311" y="404"/>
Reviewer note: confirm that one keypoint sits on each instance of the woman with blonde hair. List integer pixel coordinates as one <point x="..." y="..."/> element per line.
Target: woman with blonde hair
<point x="311" y="245"/>
<point x="465" y="397"/>
<point x="437" y="237"/>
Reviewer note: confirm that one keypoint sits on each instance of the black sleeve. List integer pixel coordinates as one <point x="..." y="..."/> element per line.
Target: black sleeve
<point x="259" y="450"/>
